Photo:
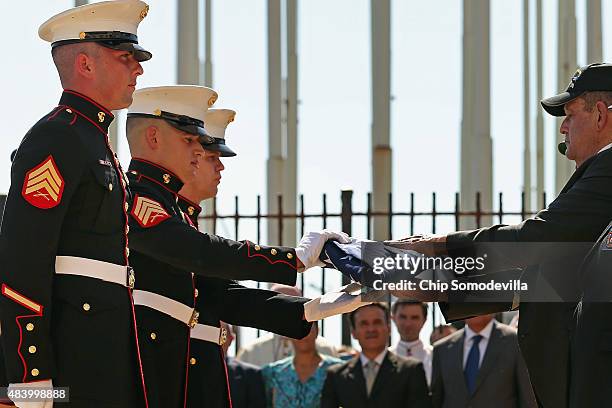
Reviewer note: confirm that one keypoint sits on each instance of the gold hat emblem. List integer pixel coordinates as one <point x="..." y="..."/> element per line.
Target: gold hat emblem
<point x="82" y="35"/>
<point x="190" y="210"/>
<point x="144" y="12"/>
<point x="157" y="112"/>
<point x="166" y="178"/>
<point x="101" y="116"/>
<point x="212" y="100"/>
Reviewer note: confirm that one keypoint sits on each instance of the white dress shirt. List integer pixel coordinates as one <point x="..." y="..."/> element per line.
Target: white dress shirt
<point x="416" y="349"/>
<point x="606" y="147"/>
<point x="379" y="360"/>
<point x="482" y="346"/>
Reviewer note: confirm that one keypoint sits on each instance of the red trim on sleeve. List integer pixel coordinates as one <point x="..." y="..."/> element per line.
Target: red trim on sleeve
<point x="25" y="365"/>
<point x="270" y="261"/>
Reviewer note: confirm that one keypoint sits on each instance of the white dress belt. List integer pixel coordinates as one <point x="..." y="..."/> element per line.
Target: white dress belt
<point x="212" y="334"/>
<point x="92" y="268"/>
<point x="171" y="307"/>
<point x="180" y="312"/>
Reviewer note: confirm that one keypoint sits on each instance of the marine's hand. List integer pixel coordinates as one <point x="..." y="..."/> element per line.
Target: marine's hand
<point x="311" y="245"/>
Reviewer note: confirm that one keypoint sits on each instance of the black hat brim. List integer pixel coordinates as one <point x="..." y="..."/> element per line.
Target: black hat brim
<point x="190" y="128"/>
<point x="223" y="149"/>
<point x="555" y="104"/>
<point x="140" y="54"/>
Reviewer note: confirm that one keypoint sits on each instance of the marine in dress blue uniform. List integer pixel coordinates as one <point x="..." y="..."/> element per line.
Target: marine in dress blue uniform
<point x="167" y="251"/>
<point x="66" y="308"/>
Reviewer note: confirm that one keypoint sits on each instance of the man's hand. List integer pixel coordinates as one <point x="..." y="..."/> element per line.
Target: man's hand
<point x="311" y="245"/>
<point x="429" y="245"/>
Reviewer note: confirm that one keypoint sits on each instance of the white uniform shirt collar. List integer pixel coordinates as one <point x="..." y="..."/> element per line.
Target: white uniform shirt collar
<point x="413" y="346"/>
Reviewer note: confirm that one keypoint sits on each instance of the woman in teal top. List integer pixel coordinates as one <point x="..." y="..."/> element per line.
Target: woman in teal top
<point x="297" y="381"/>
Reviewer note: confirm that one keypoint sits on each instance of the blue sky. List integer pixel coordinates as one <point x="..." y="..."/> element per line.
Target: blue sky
<point x="334" y="92"/>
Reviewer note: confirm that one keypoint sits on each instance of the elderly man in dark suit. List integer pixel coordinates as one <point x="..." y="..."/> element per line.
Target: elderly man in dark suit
<point x="579" y="213"/>
<point x="377" y="377"/>
<point x="480" y="366"/>
<point x="591" y="347"/>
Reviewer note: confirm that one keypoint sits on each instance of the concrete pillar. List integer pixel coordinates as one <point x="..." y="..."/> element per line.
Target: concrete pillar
<point x="291" y="123"/>
<point x="526" y="109"/>
<point x="539" y="116"/>
<point x="594" y="31"/>
<point x="208" y="64"/>
<point x="282" y="118"/>
<point x="566" y="66"/>
<point x="207" y="75"/>
<point x="275" y="163"/>
<point x="381" y="117"/>
<point x="476" y="144"/>
<point x="187" y="50"/>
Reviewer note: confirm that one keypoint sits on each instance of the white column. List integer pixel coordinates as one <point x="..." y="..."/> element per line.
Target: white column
<point x="476" y="144"/>
<point x="566" y="60"/>
<point x="188" y="60"/>
<point x="539" y="116"/>
<point x="381" y="117"/>
<point x="207" y="75"/>
<point x="291" y="131"/>
<point x="526" y="109"/>
<point x="594" y="30"/>
<point x="275" y="163"/>
<point x="208" y="64"/>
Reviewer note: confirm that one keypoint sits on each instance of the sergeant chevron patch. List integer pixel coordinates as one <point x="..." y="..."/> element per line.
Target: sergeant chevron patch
<point x="148" y="212"/>
<point x="43" y="186"/>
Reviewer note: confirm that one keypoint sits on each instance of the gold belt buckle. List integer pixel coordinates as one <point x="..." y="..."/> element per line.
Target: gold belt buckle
<point x="222" y="336"/>
<point x="194" y="318"/>
<point x="131" y="277"/>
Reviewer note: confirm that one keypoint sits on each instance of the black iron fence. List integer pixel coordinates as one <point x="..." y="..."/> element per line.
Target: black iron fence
<point x="350" y="217"/>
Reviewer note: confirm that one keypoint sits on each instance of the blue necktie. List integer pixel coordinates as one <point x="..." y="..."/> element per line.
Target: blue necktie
<point x="471" y="366"/>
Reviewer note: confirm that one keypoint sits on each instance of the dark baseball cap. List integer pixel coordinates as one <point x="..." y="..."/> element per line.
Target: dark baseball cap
<point x="592" y="78"/>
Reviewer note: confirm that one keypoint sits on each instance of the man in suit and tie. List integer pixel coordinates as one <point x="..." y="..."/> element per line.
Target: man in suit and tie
<point x="480" y="366"/>
<point x="377" y="377"/>
<point x="577" y="215"/>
